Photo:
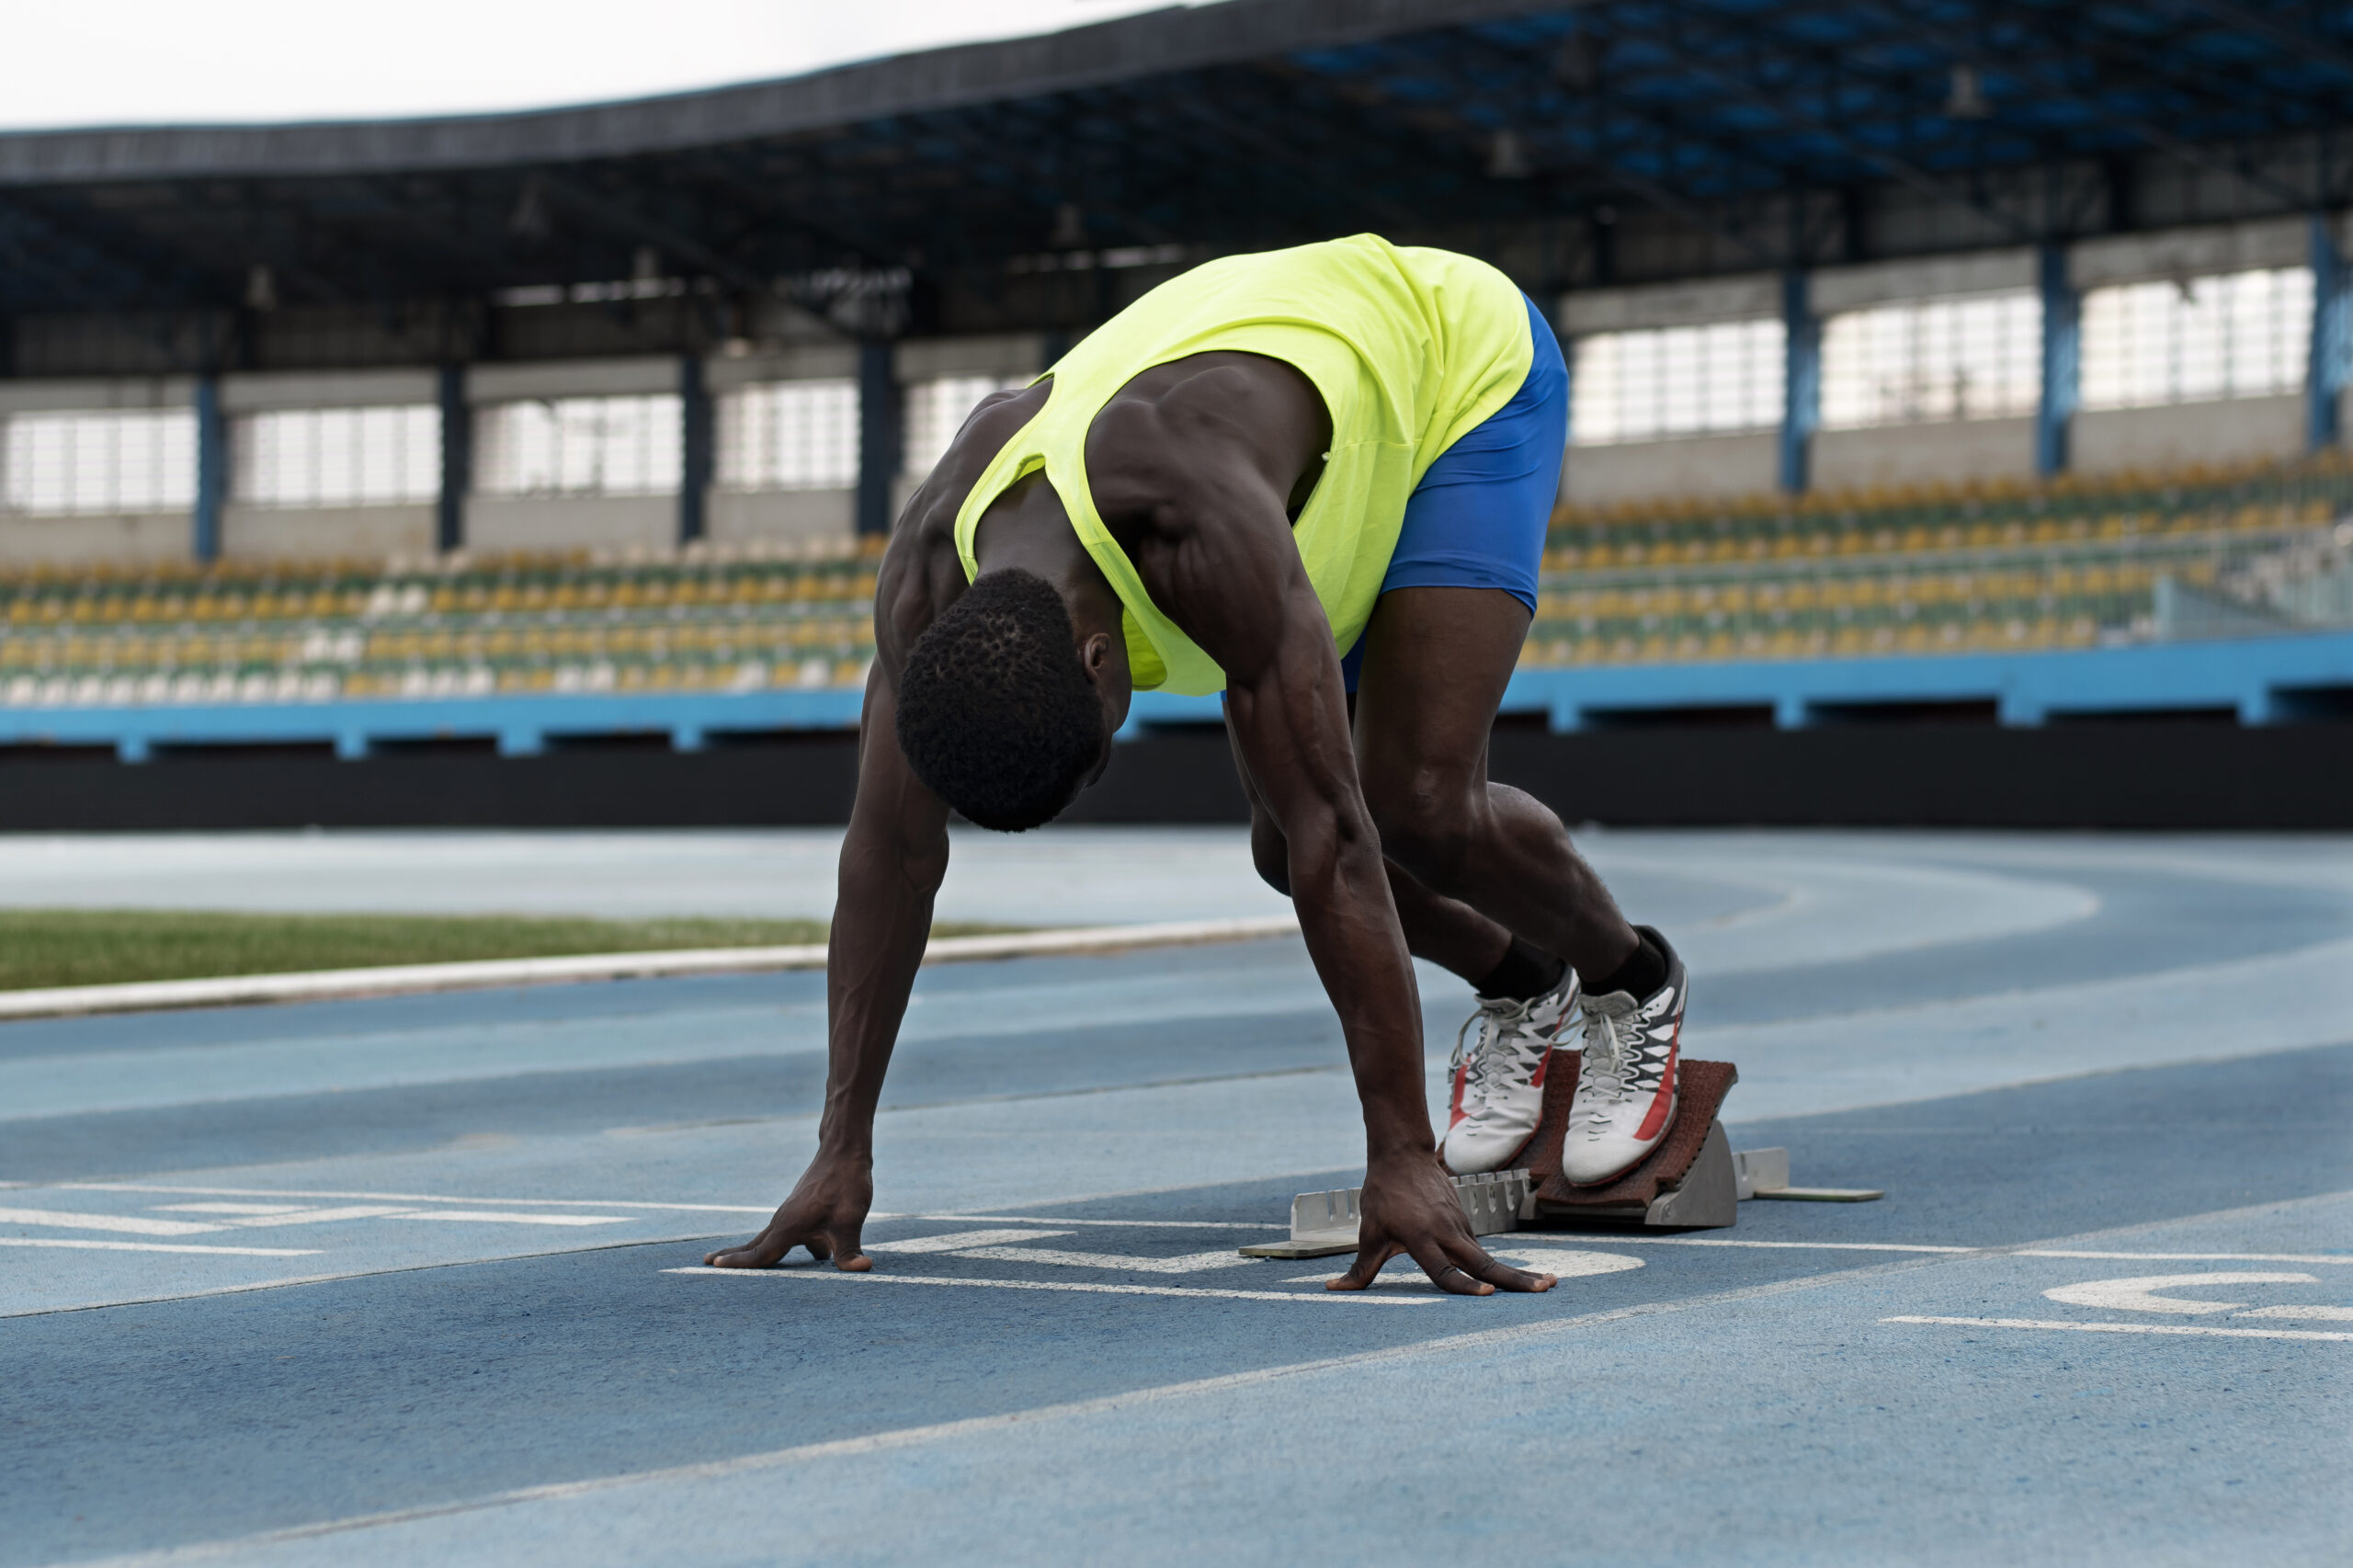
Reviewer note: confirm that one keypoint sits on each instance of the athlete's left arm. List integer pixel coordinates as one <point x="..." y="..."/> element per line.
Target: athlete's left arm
<point x="1215" y="551"/>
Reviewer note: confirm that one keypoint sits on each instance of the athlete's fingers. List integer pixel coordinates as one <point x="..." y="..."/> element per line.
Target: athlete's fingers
<point x="1478" y="1263"/>
<point x="1449" y="1275"/>
<point x="1367" y="1263"/>
<point x="848" y="1256"/>
<point x="762" y="1251"/>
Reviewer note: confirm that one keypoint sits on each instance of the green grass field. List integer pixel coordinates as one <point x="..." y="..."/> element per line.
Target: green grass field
<point x="98" y="947"/>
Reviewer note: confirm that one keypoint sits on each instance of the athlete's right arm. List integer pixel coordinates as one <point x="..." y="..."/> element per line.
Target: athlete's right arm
<point x="893" y="858"/>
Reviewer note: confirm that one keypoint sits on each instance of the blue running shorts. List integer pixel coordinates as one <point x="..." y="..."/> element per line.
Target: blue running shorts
<point x="1478" y="517"/>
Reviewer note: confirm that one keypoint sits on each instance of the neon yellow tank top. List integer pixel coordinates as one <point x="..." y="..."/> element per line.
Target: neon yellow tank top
<point x="1411" y="348"/>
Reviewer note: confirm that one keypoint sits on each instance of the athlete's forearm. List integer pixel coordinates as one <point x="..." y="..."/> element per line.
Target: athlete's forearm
<point x="893" y="858"/>
<point x="1293" y="724"/>
<point x="1341" y="889"/>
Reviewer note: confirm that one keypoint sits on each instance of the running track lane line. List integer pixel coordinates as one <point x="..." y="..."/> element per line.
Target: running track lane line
<point x="152" y="1246"/>
<point x="911" y="1437"/>
<point x="2208" y="1330"/>
<point x="291" y="1280"/>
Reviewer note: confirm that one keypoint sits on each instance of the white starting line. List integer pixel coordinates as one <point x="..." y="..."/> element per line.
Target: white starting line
<point x="1076" y="1287"/>
<point x="1017" y="1238"/>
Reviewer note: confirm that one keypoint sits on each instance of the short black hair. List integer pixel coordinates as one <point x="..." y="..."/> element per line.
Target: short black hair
<point x="995" y="712"/>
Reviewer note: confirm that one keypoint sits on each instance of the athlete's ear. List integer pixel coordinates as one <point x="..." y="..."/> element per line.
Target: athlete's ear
<point x="1095" y="654"/>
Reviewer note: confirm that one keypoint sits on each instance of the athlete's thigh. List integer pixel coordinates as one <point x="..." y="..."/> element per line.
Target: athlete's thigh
<point x="1436" y="663"/>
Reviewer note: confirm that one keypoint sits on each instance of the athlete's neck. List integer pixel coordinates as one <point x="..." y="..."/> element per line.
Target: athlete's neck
<point x="1026" y="530"/>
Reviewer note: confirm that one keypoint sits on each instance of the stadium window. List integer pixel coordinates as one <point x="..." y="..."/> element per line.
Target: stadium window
<point x="579" y="446"/>
<point x="56" y="464"/>
<point x="1677" y="381"/>
<point x="2227" y="334"/>
<point x="1975" y="357"/>
<point x="337" y="457"/>
<point x="936" y="410"/>
<point x="789" y="436"/>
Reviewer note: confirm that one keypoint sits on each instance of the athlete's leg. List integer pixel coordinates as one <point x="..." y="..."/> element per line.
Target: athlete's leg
<point x="1436" y="663"/>
<point x="1450" y="935"/>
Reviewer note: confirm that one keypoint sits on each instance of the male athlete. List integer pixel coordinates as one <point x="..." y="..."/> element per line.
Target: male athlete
<point x="1297" y="477"/>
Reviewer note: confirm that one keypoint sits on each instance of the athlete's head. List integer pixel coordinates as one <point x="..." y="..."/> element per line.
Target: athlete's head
<point x="1000" y="707"/>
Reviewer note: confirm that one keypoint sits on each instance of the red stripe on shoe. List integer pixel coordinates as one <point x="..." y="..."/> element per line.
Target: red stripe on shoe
<point x="1455" y="1105"/>
<point x="1537" y="1080"/>
<point x="1662" y="1103"/>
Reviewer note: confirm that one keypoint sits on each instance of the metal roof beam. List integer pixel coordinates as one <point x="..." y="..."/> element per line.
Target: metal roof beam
<point x="1736" y="85"/>
<point x="2297" y="42"/>
<point x="2053" y="82"/>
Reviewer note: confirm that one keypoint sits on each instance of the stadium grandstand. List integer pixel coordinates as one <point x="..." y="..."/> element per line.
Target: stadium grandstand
<point x="1974" y="363"/>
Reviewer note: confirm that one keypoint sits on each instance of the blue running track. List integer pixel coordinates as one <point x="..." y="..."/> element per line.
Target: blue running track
<point x="415" y="1281"/>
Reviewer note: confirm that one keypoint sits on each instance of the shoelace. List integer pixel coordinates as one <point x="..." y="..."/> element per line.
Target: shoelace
<point x="1501" y="1014"/>
<point x="1612" y="1059"/>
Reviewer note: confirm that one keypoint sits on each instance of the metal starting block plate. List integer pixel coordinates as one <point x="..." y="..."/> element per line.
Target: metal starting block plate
<point x="1325" y="1223"/>
<point x="1707" y="1196"/>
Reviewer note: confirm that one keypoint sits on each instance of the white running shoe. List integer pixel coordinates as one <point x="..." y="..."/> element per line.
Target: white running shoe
<point x="1499" y="1081"/>
<point x="1626" y="1079"/>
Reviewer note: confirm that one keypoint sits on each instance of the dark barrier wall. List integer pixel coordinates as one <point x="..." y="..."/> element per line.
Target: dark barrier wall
<point x="2117" y="775"/>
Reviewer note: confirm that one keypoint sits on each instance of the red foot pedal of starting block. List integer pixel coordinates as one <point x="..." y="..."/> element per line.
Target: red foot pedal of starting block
<point x="1687" y="1180"/>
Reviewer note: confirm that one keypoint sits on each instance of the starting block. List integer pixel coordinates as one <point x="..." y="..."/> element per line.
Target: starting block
<point x="1693" y="1180"/>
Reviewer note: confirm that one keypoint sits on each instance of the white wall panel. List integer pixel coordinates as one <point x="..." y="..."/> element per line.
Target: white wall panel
<point x="496" y="524"/>
<point x="1703" y="465"/>
<point x="2239" y="429"/>
<point x="1951" y="452"/>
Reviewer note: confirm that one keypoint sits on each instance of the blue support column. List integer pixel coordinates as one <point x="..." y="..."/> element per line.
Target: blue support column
<point x="457" y="462"/>
<point x="698" y="449"/>
<point x="2331" y="361"/>
<point x="1800" y="381"/>
<point x="877" y="435"/>
<point x="2062" y="362"/>
<point x="212" y="469"/>
<point x="1569" y="362"/>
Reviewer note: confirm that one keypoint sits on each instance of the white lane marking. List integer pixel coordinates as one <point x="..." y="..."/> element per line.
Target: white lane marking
<point x="1072" y="1285"/>
<point x="1794" y="1246"/>
<point x="1117" y="1224"/>
<point x="2191" y="1257"/>
<point x="421" y="1198"/>
<point x="491" y="1217"/>
<point x="2310" y="1315"/>
<point x="1560" y="1265"/>
<point x="955" y="1241"/>
<point x="569" y="1249"/>
<point x="2212" y="1330"/>
<point x="1190" y="1263"/>
<point x="977" y="1425"/>
<point x="1568" y="1264"/>
<point x="229" y="1208"/>
<point x="152" y="1246"/>
<point x="325" y="1216"/>
<point x="69" y="1219"/>
<point x="2140" y="1294"/>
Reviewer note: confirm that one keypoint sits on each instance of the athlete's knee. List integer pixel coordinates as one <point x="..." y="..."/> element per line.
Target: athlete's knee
<point x="1270" y="852"/>
<point x="1428" y="822"/>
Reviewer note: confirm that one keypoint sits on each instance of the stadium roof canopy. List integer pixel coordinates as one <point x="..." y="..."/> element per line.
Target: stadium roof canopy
<point x="1614" y="140"/>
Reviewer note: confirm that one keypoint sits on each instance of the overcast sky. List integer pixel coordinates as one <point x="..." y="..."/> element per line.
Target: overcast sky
<point x="150" y="61"/>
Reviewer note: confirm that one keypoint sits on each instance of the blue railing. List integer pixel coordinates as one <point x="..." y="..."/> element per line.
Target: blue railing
<point x="2264" y="679"/>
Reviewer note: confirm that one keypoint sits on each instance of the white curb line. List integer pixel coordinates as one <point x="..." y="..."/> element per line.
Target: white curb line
<point x="398" y="979"/>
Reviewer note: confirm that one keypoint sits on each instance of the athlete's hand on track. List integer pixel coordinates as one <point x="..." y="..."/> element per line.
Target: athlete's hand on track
<point x="1409" y="1206"/>
<point x="826" y="1213"/>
